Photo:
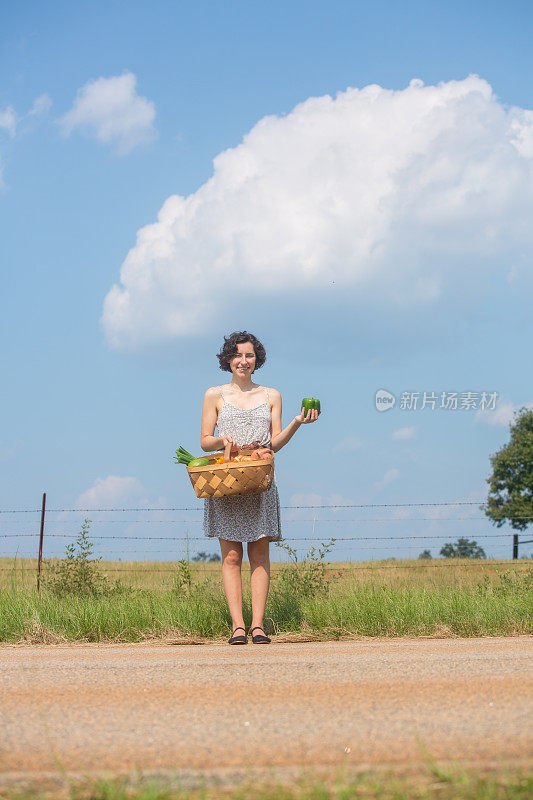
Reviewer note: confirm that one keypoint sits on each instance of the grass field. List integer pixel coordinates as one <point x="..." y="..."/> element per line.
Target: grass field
<point x="159" y="600"/>
<point x="435" y="783"/>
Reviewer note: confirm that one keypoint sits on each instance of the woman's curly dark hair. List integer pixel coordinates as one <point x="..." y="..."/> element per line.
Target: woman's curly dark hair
<point x="229" y="349"/>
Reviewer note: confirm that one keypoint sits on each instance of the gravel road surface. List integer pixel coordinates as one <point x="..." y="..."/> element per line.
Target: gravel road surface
<point x="92" y="708"/>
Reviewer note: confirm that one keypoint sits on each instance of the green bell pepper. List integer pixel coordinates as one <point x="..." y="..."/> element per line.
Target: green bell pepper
<point x="310" y="403"/>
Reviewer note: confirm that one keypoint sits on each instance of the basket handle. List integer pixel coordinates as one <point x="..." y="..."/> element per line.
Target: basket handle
<point x="227" y="452"/>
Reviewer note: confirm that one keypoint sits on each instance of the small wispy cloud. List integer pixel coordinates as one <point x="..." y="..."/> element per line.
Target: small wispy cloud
<point x="41" y="105"/>
<point x="339" y="500"/>
<point x="110" y="491"/>
<point x="8" y="121"/>
<point x="9" y="449"/>
<point x="310" y="501"/>
<point x="111" y="110"/>
<point x="403" y="433"/>
<point x="501" y="416"/>
<point x="306" y="500"/>
<point x="16" y="126"/>
<point x="389" y="477"/>
<point x="347" y="445"/>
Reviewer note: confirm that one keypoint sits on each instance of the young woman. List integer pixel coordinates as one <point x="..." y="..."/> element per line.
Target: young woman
<point x="245" y="412"/>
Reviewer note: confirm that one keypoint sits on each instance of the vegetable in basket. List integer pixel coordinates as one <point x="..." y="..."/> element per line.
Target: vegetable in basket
<point x="252" y="452"/>
<point x="183" y="457"/>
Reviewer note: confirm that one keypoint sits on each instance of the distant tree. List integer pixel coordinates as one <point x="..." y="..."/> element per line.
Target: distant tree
<point x="463" y="548"/>
<point x="425" y="554"/>
<point x="206" y="557"/>
<point x="510" y="496"/>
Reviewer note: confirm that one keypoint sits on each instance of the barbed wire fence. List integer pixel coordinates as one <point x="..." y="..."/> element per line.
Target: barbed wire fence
<point x="372" y="543"/>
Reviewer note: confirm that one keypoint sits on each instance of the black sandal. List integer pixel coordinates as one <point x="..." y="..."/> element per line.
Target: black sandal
<point x="237" y="639"/>
<point x="259" y="638"/>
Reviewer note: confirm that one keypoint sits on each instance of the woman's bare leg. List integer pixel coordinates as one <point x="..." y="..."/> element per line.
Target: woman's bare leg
<point x="231" y="580"/>
<point x="259" y="558"/>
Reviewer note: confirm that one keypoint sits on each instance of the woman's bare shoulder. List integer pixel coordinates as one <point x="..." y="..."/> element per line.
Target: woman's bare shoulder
<point x="212" y="391"/>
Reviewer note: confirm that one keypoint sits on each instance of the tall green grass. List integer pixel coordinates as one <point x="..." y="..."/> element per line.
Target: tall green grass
<point x="404" y="601"/>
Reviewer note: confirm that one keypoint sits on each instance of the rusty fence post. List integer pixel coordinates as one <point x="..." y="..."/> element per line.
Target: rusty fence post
<point x="515" y="545"/>
<point x="41" y="536"/>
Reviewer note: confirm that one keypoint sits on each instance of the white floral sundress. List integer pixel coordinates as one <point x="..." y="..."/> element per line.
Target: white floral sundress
<point x="248" y="517"/>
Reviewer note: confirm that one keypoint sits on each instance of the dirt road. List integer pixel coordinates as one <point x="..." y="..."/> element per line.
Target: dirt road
<point x="156" y="707"/>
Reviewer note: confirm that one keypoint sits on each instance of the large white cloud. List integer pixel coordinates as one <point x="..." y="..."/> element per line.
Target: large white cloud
<point x="111" y="109"/>
<point x="383" y="197"/>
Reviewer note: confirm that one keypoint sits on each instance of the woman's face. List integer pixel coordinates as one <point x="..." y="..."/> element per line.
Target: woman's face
<point x="243" y="363"/>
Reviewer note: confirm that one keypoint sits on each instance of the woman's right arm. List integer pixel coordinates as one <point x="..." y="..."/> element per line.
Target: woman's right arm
<point x="209" y="442"/>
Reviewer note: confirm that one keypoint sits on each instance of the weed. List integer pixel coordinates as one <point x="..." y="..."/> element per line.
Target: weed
<point x="510" y="582"/>
<point x="77" y="573"/>
<point x="306" y="578"/>
<point x="183" y="583"/>
<point x="183" y="577"/>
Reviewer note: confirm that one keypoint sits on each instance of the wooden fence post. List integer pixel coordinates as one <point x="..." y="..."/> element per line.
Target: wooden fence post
<point x="39" y="561"/>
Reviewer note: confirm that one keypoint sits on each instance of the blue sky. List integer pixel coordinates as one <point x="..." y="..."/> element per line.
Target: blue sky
<point x="374" y="237"/>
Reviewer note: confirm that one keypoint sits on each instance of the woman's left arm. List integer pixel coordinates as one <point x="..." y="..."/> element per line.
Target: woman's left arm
<point x="278" y="437"/>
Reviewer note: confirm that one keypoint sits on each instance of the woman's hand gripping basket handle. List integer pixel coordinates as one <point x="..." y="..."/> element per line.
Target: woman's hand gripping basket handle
<point x="227" y="451"/>
<point x="232" y="448"/>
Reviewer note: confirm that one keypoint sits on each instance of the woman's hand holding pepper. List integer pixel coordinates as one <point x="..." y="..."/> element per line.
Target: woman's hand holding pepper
<point x="304" y="419"/>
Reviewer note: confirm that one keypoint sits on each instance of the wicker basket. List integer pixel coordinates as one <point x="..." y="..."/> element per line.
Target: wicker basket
<point x="232" y="477"/>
